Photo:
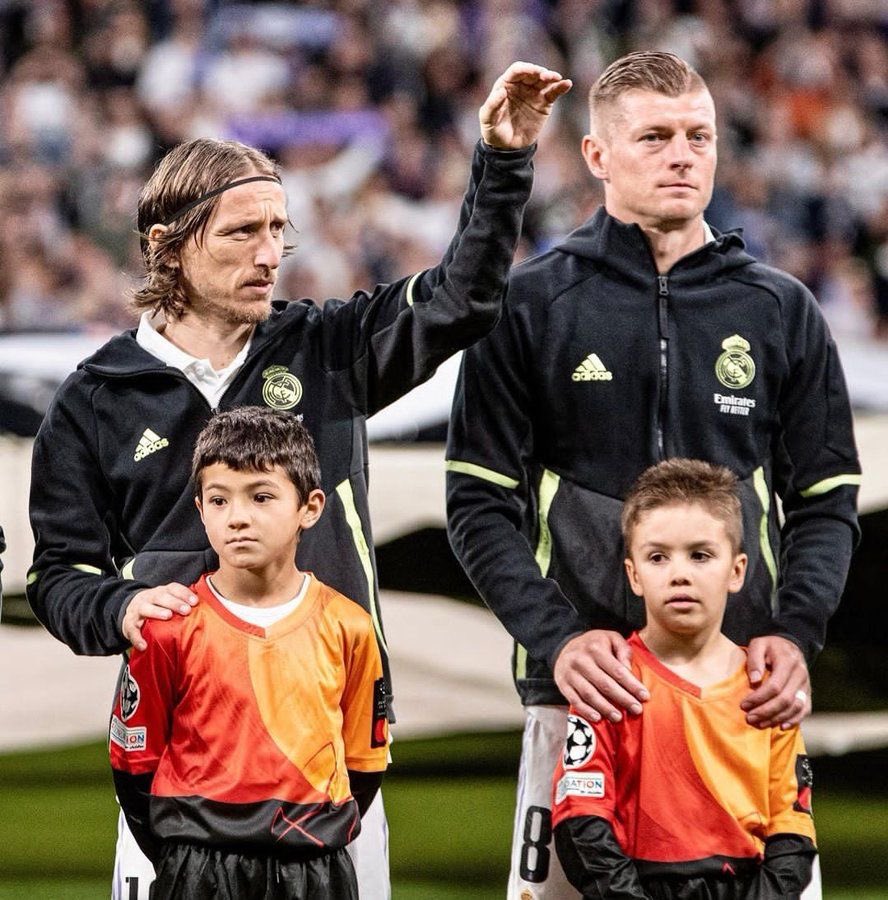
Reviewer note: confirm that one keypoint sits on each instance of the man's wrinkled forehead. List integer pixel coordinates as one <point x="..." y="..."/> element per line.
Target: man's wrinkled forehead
<point x="256" y="200"/>
<point x="641" y="108"/>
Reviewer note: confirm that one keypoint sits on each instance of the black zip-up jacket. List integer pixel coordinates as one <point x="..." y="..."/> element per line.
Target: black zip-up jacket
<point x="600" y="368"/>
<point x="111" y="505"/>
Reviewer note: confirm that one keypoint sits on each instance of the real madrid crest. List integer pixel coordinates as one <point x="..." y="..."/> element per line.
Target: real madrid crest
<point x="282" y="389"/>
<point x="735" y="368"/>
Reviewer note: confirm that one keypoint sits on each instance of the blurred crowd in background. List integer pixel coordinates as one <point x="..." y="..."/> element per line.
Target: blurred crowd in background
<point x="371" y="109"/>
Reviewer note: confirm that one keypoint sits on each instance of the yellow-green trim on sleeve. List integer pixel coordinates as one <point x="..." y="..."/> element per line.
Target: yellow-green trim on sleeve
<point x="410" y="285"/>
<point x="764" y="494"/>
<point x="347" y="498"/>
<point x="520" y="662"/>
<point x="830" y="484"/>
<point x="32" y="577"/>
<point x="466" y="468"/>
<point x="127" y="571"/>
<point x="90" y="570"/>
<point x="548" y="488"/>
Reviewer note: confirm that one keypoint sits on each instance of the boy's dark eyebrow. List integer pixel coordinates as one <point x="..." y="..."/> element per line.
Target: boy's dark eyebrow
<point x="262" y="482"/>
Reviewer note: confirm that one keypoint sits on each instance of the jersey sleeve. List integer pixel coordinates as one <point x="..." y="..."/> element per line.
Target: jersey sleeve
<point x="584" y="776"/>
<point x="142" y="716"/>
<point x="364" y="720"/>
<point x="583" y="813"/>
<point x="791" y="783"/>
<point x="393" y="338"/>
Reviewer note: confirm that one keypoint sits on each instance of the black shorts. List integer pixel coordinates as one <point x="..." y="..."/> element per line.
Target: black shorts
<point x="201" y="872"/>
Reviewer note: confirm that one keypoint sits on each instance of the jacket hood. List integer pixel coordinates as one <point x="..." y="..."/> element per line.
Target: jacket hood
<point x="624" y="249"/>
<point x="123" y="356"/>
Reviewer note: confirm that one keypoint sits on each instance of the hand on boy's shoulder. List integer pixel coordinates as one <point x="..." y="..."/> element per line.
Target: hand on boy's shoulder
<point x="161" y="602"/>
<point x="784" y="698"/>
<point x="594" y="675"/>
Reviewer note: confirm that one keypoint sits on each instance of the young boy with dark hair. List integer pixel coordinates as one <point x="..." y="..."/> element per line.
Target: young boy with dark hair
<point x="686" y="800"/>
<point x="250" y="736"/>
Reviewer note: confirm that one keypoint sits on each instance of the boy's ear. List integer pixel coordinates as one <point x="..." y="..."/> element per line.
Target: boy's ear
<point x="738" y="573"/>
<point x="199" y="507"/>
<point x="313" y="507"/>
<point x="632" y="575"/>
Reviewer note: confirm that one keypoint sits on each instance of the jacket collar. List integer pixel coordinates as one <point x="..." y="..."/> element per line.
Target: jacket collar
<point x="122" y="356"/>
<point x="624" y="249"/>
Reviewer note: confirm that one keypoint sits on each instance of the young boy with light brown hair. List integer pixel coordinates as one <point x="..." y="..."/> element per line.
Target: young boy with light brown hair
<point x="686" y="800"/>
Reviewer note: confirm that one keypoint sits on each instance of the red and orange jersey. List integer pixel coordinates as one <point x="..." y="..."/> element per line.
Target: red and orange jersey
<point x="687" y="781"/>
<point x="250" y="731"/>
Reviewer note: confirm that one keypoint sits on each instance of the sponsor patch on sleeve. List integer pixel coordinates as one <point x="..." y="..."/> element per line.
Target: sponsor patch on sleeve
<point x="128" y="738"/>
<point x="580" y="784"/>
<point x="379" y="734"/>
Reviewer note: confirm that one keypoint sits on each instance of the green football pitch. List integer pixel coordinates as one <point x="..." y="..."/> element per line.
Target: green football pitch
<point x="449" y="806"/>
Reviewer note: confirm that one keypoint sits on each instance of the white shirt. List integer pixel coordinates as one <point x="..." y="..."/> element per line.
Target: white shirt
<point x="211" y="383"/>
<point x="261" y="616"/>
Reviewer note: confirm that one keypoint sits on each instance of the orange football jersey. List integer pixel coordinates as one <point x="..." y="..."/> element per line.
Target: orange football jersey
<point x="687" y="781"/>
<point x="250" y="731"/>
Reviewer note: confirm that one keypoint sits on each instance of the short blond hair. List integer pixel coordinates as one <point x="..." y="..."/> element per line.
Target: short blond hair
<point x="685" y="481"/>
<point x="646" y="70"/>
<point x="187" y="172"/>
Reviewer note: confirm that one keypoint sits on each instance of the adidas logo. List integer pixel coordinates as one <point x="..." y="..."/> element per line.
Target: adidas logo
<point x="591" y="369"/>
<point x="149" y="443"/>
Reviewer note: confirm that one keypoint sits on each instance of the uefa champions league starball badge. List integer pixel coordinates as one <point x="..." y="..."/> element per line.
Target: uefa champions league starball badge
<point x="579" y="744"/>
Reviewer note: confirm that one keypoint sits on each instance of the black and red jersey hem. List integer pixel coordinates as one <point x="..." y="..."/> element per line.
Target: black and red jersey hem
<point x="289" y="830"/>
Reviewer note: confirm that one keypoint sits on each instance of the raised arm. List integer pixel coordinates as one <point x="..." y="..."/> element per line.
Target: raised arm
<point x="391" y="339"/>
<point x="519" y="104"/>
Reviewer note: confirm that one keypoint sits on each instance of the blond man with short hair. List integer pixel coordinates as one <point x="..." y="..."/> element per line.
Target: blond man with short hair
<point x="645" y="335"/>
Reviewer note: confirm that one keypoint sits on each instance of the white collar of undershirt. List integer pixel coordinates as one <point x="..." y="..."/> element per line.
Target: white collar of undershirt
<point x="262" y="616"/>
<point x="708" y="235"/>
<point x="210" y="382"/>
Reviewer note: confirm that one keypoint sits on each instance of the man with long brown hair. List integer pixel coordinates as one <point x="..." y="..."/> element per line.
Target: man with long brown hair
<point x="117" y="535"/>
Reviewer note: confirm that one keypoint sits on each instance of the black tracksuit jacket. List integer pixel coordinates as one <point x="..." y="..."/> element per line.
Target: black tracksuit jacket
<point x="600" y="368"/>
<point x="110" y="520"/>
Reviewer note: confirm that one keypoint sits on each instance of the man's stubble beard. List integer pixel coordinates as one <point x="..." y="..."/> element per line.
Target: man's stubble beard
<point x="231" y="312"/>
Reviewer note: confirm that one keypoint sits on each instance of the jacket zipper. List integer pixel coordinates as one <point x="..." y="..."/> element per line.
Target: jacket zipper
<point x="662" y="318"/>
